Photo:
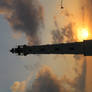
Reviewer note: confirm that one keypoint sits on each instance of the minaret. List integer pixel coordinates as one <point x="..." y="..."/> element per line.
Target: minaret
<point x="84" y="48"/>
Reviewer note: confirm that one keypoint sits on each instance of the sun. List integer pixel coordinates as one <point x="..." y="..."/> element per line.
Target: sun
<point x="82" y="34"/>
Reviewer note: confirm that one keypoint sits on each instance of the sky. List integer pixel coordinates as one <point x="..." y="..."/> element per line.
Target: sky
<point x="19" y="73"/>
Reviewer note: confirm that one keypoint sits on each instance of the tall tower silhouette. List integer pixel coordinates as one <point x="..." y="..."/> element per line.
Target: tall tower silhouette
<point x="84" y="48"/>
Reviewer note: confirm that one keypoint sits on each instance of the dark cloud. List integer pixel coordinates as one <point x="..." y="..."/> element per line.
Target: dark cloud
<point x="24" y="16"/>
<point x="46" y="81"/>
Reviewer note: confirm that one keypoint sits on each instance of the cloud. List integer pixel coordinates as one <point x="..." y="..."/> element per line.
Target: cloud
<point x="24" y="16"/>
<point x="18" y="87"/>
<point x="47" y="81"/>
<point x="65" y="34"/>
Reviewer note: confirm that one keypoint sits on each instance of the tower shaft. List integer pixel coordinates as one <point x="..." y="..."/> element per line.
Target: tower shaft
<point x="84" y="47"/>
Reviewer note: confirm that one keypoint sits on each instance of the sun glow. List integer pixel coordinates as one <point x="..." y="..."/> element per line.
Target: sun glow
<point x="82" y="34"/>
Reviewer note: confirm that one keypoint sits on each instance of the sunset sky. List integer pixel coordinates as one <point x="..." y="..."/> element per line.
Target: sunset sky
<point x="44" y="22"/>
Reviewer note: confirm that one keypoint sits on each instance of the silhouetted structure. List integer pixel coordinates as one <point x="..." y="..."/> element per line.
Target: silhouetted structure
<point x="84" y="47"/>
